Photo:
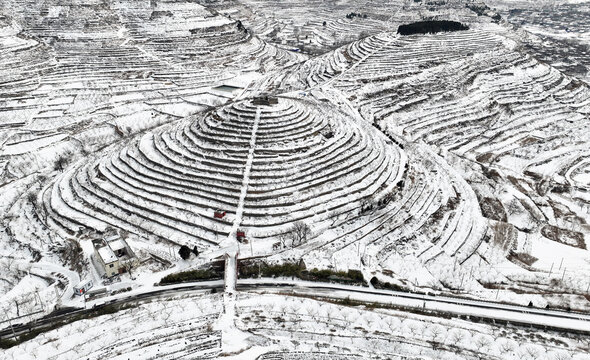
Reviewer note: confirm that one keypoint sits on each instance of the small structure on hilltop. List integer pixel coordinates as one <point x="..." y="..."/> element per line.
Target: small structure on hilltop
<point x="227" y="89"/>
<point x="114" y="256"/>
<point x="265" y="100"/>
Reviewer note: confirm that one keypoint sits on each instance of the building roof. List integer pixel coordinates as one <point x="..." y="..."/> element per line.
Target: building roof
<point x="82" y="284"/>
<point x="112" y="237"/>
<point x="107" y="255"/>
<point x="118" y="244"/>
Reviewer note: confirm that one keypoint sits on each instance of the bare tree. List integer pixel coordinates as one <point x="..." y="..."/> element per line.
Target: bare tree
<point x="561" y="356"/>
<point x="506" y="347"/>
<point x="284" y="239"/>
<point x="7" y="264"/>
<point x="62" y="161"/>
<point x="457" y="336"/>
<point x="482" y="342"/>
<point x="299" y="233"/>
<point x="533" y="352"/>
<point x="435" y="333"/>
<point x="32" y="198"/>
<point x="414" y="328"/>
<point x="128" y="266"/>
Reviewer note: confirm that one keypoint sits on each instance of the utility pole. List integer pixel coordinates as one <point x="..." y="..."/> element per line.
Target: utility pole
<point x="551" y="269"/>
<point x="11" y="328"/>
<point x="563" y="275"/>
<point x="561" y="263"/>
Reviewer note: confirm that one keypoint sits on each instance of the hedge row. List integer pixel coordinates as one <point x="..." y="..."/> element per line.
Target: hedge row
<point x="377" y="284"/>
<point x="191" y="275"/>
<point x="265" y="270"/>
<point x="295" y="270"/>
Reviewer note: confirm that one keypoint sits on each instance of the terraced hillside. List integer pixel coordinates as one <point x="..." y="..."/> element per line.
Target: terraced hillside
<point x="266" y="166"/>
<point x="272" y="327"/>
<point x="317" y="26"/>
<point x="80" y="76"/>
<point x="91" y="70"/>
<point x="514" y="128"/>
<point x="557" y="32"/>
<point x="302" y="139"/>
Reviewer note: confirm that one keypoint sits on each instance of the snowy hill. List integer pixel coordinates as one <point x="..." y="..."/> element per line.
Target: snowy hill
<point x="210" y="142"/>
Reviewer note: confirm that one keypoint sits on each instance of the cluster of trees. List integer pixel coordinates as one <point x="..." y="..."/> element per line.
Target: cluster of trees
<point x="185" y="252"/>
<point x="378" y="284"/>
<point x="431" y="27"/>
<point x="353" y="15"/>
<point x="292" y="270"/>
<point x="72" y="255"/>
<point x="297" y="235"/>
<point x="370" y="204"/>
<point x="62" y="162"/>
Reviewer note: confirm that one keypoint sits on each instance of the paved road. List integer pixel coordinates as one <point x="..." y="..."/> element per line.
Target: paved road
<point x="121" y="299"/>
<point x="522" y="315"/>
<point x="458" y="307"/>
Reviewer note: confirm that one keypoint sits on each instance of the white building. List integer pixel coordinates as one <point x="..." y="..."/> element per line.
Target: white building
<point x="114" y="255"/>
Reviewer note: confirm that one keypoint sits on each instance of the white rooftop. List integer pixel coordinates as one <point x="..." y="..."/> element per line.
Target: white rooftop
<point x="117" y="244"/>
<point x="81" y="284"/>
<point x="107" y="255"/>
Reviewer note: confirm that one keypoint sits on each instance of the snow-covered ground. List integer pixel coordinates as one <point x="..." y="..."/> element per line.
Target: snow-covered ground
<point x="285" y="327"/>
<point x="452" y="163"/>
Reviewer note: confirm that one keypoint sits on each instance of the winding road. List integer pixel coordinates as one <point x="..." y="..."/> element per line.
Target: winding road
<point x="472" y="310"/>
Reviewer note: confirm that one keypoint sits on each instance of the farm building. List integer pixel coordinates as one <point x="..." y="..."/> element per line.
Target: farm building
<point x="83" y="287"/>
<point x="114" y="256"/>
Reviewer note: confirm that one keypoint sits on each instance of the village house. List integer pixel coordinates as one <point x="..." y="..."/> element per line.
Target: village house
<point x="114" y="256"/>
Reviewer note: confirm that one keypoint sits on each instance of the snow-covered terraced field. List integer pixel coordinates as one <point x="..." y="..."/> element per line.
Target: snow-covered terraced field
<point x="516" y="129"/>
<point x="292" y="134"/>
<point x="315" y="26"/>
<point x="181" y="328"/>
<point x="297" y="161"/>
<point x="92" y="65"/>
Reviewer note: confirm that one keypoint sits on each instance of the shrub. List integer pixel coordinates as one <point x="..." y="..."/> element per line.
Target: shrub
<point x="377" y="284"/>
<point x="184" y="252"/>
<point x="285" y="270"/>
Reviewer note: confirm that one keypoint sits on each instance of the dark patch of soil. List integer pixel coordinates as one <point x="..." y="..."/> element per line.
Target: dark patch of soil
<point x="564" y="236"/>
